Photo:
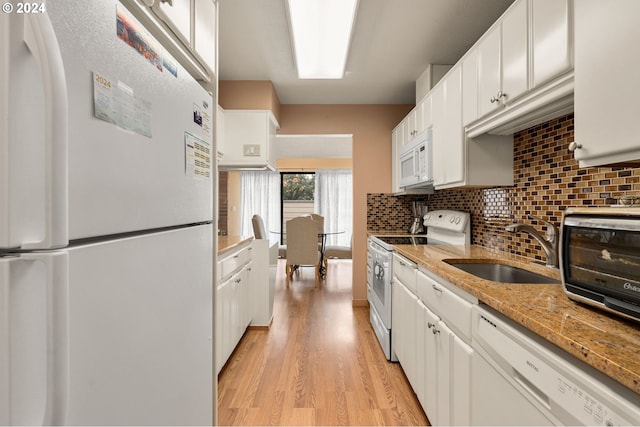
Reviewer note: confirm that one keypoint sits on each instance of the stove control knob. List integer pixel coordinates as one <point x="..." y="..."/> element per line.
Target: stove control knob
<point x="452" y="219"/>
<point x="458" y="220"/>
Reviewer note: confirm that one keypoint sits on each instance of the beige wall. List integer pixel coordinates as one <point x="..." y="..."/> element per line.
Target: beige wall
<point x="371" y="127"/>
<point x="310" y="165"/>
<point x="248" y="95"/>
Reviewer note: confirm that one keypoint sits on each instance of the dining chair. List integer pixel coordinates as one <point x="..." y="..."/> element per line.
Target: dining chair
<point x="338" y="251"/>
<point x="259" y="231"/>
<point x="302" y="246"/>
<point x="320" y="220"/>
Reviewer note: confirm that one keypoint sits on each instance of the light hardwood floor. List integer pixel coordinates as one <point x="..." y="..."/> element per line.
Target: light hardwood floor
<point x="319" y="364"/>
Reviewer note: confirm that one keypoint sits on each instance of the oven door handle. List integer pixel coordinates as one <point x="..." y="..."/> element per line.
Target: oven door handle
<point x="378" y="270"/>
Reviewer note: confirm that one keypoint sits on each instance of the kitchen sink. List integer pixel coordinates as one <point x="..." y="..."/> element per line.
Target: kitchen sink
<point x="498" y="272"/>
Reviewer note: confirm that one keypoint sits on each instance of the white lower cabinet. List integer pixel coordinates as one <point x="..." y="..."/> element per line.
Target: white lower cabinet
<point x="431" y="337"/>
<point x="447" y="335"/>
<point x="430" y="395"/>
<point x="233" y="302"/>
<point x="403" y="320"/>
<point x="460" y="381"/>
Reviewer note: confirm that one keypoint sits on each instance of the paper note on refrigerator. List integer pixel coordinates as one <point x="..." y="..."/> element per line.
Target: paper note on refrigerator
<point x="116" y="103"/>
<point x="197" y="157"/>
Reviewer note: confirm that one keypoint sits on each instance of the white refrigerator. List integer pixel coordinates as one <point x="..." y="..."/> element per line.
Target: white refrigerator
<point x="106" y="250"/>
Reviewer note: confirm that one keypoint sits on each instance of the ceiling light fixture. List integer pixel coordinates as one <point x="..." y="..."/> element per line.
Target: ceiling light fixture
<point x="321" y="34"/>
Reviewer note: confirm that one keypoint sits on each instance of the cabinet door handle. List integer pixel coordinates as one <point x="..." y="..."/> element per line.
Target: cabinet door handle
<point x="435" y="331"/>
<point x="430" y="325"/>
<point x="574" y="146"/>
<point x="493" y="99"/>
<point x="501" y="95"/>
<point x="437" y="289"/>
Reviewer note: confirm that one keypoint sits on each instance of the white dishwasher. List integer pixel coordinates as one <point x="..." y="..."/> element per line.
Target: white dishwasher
<point x="519" y="379"/>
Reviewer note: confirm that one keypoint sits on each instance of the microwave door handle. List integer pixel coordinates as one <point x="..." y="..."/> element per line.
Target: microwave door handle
<point x="416" y="162"/>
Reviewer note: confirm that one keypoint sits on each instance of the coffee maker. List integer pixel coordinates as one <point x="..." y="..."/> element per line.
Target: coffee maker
<point x="419" y="210"/>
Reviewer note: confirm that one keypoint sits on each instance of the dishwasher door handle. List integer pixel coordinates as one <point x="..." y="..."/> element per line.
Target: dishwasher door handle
<point x="534" y="391"/>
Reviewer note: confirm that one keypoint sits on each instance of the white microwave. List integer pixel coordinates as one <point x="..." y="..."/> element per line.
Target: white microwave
<point x="415" y="161"/>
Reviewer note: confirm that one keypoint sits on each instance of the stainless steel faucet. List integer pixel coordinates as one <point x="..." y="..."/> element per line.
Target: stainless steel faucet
<point x="549" y="243"/>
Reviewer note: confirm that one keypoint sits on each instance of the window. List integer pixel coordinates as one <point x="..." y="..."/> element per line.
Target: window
<point x="297" y="190"/>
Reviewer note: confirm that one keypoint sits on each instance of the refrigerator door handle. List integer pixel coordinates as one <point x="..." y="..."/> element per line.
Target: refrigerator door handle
<point x="54" y="270"/>
<point x="42" y="42"/>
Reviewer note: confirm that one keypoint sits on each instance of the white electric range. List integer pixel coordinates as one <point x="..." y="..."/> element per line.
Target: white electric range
<point x="444" y="227"/>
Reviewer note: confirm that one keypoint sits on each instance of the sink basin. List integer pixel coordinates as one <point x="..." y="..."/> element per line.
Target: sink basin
<point x="503" y="273"/>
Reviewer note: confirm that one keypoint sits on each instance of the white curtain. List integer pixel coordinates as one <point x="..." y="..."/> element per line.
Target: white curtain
<point x="260" y="194"/>
<point x="333" y="199"/>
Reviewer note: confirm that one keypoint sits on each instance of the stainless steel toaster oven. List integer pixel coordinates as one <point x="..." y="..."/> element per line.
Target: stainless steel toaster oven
<point x="600" y="258"/>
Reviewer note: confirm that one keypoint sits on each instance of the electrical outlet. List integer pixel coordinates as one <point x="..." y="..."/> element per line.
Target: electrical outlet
<point x="251" y="150"/>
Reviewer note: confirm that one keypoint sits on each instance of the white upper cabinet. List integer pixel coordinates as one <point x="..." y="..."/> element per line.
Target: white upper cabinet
<point x="177" y="15"/>
<point x="249" y="140"/>
<point x="395" y="160"/>
<point x="519" y="74"/>
<point x="448" y="142"/>
<point x="489" y="81"/>
<point x="412" y="126"/>
<point x="417" y="121"/>
<point x="552" y="39"/>
<point x="205" y="31"/>
<point x="470" y="87"/>
<point x="525" y="68"/>
<point x="460" y="161"/>
<point x="424" y="119"/>
<point x="503" y="60"/>
<point x="607" y="87"/>
<point x="515" y="53"/>
<point x="188" y="29"/>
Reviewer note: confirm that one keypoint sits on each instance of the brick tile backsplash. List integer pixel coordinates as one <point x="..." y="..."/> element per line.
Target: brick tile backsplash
<point x="547" y="180"/>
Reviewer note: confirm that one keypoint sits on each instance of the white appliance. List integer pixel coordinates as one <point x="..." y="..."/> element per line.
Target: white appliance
<point x="416" y="170"/>
<point x="443" y="227"/>
<point x="106" y="256"/>
<point x="519" y="379"/>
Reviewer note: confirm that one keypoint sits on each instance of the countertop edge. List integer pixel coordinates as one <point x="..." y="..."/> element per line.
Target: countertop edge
<point x="228" y="243"/>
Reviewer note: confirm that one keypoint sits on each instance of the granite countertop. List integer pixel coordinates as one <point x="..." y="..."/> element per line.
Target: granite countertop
<point x="609" y="344"/>
<point x="226" y="243"/>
